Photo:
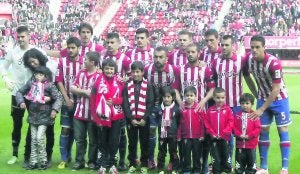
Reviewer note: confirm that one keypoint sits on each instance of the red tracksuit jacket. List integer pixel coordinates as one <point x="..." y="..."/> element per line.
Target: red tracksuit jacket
<point x="191" y="123"/>
<point x="219" y="122"/>
<point x="244" y="125"/>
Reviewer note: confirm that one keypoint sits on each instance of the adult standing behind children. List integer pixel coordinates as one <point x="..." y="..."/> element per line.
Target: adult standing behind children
<point x="20" y="75"/>
<point x="272" y="100"/>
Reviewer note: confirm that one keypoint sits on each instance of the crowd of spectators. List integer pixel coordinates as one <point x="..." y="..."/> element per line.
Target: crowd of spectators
<point x="267" y="17"/>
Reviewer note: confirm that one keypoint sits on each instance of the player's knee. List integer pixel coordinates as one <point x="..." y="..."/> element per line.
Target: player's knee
<point x="152" y="132"/>
<point x="283" y="129"/>
<point x="265" y="129"/>
<point x="65" y="131"/>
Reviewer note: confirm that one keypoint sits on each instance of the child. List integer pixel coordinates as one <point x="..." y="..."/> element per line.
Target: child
<point x="219" y="123"/>
<point x="45" y="102"/>
<point x="137" y="104"/>
<point x="82" y="121"/>
<point x="106" y="109"/>
<point x="246" y="132"/>
<point x="168" y="121"/>
<point x="191" y="132"/>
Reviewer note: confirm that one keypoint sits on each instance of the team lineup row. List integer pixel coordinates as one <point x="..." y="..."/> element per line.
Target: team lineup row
<point x="102" y="91"/>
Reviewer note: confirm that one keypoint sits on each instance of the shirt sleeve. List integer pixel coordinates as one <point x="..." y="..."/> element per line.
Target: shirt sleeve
<point x="176" y="83"/>
<point x="209" y="78"/>
<point x="6" y="64"/>
<point x="59" y="72"/>
<point x="276" y="71"/>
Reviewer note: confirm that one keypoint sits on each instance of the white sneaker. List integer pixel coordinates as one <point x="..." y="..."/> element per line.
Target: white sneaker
<point x="12" y="160"/>
<point x="113" y="170"/>
<point x="262" y="171"/>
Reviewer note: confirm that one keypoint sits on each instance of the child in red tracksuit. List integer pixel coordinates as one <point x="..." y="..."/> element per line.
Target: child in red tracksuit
<point x="219" y="123"/>
<point x="246" y="132"/>
<point x="191" y="132"/>
<point x="106" y="109"/>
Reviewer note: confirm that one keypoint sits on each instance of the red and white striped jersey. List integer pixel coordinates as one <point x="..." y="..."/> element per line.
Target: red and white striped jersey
<point x="137" y="54"/>
<point x="84" y="49"/>
<point x="265" y="73"/>
<point x="207" y="56"/>
<point x="199" y="77"/>
<point x="84" y="81"/>
<point x="228" y="75"/>
<point x="123" y="62"/>
<point x="177" y="58"/>
<point x="168" y="77"/>
<point x="67" y="70"/>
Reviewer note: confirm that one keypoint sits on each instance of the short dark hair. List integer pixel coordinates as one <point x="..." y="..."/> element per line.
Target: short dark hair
<point x="36" y="54"/>
<point x="190" y="89"/>
<point x="161" y="48"/>
<point x="44" y="70"/>
<point x="195" y="45"/>
<point x="113" y="35"/>
<point x="186" y="32"/>
<point x="93" y="56"/>
<point x="170" y="90"/>
<point x="142" y="30"/>
<point x="85" y="25"/>
<point x="22" y="29"/>
<point x="109" y="62"/>
<point x="258" y="38"/>
<point x="247" y="97"/>
<point x="74" y="40"/>
<point x="212" y="32"/>
<point x="227" y="36"/>
<point x="218" y="90"/>
<point x="137" y="65"/>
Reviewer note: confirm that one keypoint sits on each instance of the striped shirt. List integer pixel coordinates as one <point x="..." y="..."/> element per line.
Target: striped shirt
<point x="207" y="56"/>
<point x="84" y="81"/>
<point x="228" y="75"/>
<point x="66" y="72"/>
<point x="84" y="49"/>
<point x="137" y="54"/>
<point x="265" y="73"/>
<point x="177" y="58"/>
<point x="168" y="77"/>
<point x="123" y="62"/>
<point x="199" y="77"/>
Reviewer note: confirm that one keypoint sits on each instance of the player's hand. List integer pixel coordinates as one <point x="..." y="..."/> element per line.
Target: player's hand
<point x="134" y="122"/>
<point x="142" y="122"/>
<point x="70" y="104"/>
<point x="200" y="106"/>
<point x="53" y="114"/>
<point x="47" y="99"/>
<point x="87" y="93"/>
<point x="8" y="83"/>
<point x="23" y="106"/>
<point x="256" y="114"/>
<point x="109" y="102"/>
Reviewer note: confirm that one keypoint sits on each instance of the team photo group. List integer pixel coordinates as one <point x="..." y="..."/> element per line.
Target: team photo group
<point x="146" y="109"/>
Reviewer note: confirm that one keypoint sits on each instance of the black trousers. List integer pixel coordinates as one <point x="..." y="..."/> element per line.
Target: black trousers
<point x="164" y="144"/>
<point x="220" y="156"/>
<point x="194" y="147"/>
<point x="109" y="138"/>
<point x="245" y="161"/>
<point x="136" y="133"/>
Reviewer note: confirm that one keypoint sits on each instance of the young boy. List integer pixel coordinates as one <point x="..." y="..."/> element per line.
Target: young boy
<point x="106" y="109"/>
<point x="191" y="132"/>
<point x="168" y="120"/>
<point x="137" y="104"/>
<point x="246" y="131"/>
<point x="82" y="121"/>
<point x="219" y="123"/>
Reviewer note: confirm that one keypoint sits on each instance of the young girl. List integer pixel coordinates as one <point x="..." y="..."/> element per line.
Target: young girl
<point x="191" y="132"/>
<point x="45" y="102"/>
<point x="106" y="109"/>
<point x="219" y="123"/>
<point x="168" y="117"/>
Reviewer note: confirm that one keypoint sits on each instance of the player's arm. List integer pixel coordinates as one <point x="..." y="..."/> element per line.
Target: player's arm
<point x="4" y="71"/>
<point x="64" y="93"/>
<point x="275" y="91"/>
<point x="251" y="85"/>
<point x="52" y="53"/>
<point x="80" y="92"/>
